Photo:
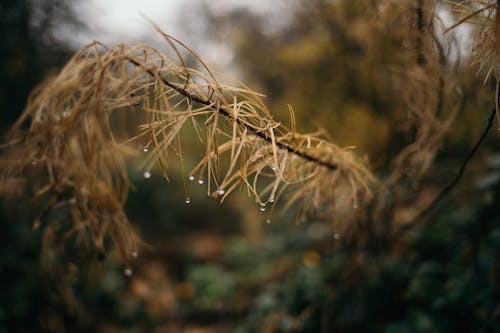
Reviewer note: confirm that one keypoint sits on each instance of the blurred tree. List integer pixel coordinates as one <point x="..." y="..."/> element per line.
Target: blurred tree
<point x="342" y="66"/>
<point x="30" y="50"/>
<point x="28" y="53"/>
<point x="324" y="63"/>
<point x="347" y="67"/>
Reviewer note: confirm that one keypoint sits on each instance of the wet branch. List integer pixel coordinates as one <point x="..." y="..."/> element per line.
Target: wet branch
<point x="442" y="194"/>
<point x="224" y="111"/>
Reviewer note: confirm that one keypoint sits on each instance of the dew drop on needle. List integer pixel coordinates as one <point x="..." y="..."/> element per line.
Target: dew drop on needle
<point x="147" y="174"/>
<point x="191" y="178"/>
<point x="200" y="181"/>
<point x="262" y="209"/>
<point x="187" y="200"/>
<point x="128" y="272"/>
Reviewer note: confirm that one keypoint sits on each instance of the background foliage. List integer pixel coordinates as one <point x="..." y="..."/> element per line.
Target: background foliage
<point x="217" y="268"/>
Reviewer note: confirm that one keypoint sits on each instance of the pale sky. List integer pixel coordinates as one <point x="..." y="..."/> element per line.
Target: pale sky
<point x="122" y="21"/>
<point x="118" y="21"/>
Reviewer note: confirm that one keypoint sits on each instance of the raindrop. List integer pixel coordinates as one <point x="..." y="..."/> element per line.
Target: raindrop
<point x="134" y="254"/>
<point x="221" y="191"/>
<point x="146" y="149"/>
<point x="200" y="181"/>
<point x="262" y="209"/>
<point x="268" y="221"/>
<point x="273" y="168"/>
<point x="191" y="178"/>
<point x="128" y="272"/>
<point x="188" y="200"/>
<point x="271" y="200"/>
<point x="147" y="174"/>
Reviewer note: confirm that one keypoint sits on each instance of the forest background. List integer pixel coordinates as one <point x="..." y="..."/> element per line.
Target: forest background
<point x="363" y="72"/>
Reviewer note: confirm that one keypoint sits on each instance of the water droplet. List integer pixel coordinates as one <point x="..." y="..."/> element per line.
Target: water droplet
<point x="271" y="200"/>
<point x="146" y="149"/>
<point x="221" y="191"/>
<point x="147" y="174"/>
<point x="268" y="221"/>
<point x="200" y="181"/>
<point x="191" y="178"/>
<point x="273" y="168"/>
<point x="134" y="254"/>
<point x="188" y="200"/>
<point x="262" y="209"/>
<point x="128" y="272"/>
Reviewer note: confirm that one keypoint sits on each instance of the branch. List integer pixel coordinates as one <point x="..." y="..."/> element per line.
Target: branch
<point x="421" y="60"/>
<point x="70" y="140"/>
<point x="224" y="111"/>
<point x="460" y="173"/>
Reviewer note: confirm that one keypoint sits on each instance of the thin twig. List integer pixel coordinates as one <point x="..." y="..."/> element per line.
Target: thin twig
<point x="459" y="175"/>
<point x="421" y="60"/>
<point x="223" y="111"/>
